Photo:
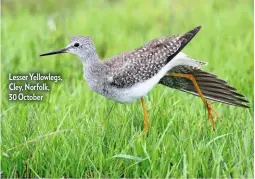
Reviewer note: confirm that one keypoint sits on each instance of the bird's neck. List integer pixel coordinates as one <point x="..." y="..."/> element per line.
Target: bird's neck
<point x="90" y="59"/>
<point x="93" y="68"/>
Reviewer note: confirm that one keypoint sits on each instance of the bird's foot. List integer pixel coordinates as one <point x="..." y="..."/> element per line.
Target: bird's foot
<point x="211" y="113"/>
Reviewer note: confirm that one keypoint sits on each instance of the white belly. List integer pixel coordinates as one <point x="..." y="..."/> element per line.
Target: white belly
<point x="139" y="90"/>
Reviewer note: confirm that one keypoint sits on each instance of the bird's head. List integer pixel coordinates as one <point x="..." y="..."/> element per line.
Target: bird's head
<point x="79" y="45"/>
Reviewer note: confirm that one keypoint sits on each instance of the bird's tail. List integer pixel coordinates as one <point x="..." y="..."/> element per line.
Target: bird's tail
<point x="210" y="85"/>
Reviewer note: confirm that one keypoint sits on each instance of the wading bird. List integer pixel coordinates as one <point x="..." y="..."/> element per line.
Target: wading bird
<point x="131" y="75"/>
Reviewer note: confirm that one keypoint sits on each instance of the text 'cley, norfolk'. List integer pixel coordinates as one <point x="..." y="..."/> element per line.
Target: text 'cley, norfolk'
<point x="29" y="87"/>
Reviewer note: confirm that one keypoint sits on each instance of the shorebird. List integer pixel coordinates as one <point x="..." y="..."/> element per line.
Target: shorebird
<point x="131" y="75"/>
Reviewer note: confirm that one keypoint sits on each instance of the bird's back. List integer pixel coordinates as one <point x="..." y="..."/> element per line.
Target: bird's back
<point x="141" y="64"/>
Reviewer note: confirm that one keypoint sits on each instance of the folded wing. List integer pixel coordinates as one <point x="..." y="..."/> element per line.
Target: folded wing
<point x="143" y="63"/>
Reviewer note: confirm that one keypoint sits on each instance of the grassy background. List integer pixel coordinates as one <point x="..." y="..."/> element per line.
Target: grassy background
<point x="74" y="132"/>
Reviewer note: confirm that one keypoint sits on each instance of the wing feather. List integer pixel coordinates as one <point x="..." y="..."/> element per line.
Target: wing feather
<point x="211" y="86"/>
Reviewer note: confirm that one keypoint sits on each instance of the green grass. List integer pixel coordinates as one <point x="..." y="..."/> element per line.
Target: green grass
<point x="74" y="132"/>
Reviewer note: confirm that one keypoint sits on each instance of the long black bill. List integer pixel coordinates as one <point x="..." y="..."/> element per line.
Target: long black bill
<point x="63" y="50"/>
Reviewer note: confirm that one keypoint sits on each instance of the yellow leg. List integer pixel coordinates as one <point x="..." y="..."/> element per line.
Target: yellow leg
<point x="210" y="110"/>
<point x="146" y="118"/>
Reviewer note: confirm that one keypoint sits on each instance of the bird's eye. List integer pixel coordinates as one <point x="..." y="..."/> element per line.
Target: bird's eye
<point x="76" y="44"/>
